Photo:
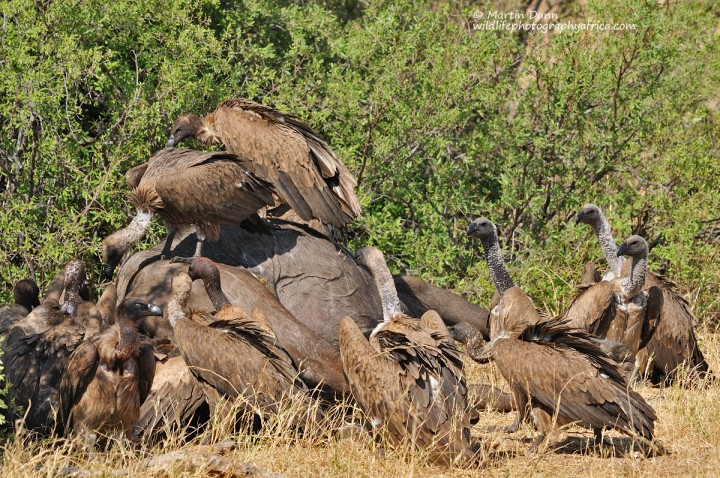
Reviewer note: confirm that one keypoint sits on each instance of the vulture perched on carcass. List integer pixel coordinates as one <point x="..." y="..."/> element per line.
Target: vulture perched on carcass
<point x="558" y="374"/>
<point x="108" y="376"/>
<point x="306" y="173"/>
<point x="188" y="188"/>
<point x="235" y="352"/>
<point x="409" y="377"/>
<point x="27" y="296"/>
<point x="673" y="343"/>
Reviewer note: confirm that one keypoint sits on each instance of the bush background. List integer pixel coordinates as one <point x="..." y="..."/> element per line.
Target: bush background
<point x="439" y="123"/>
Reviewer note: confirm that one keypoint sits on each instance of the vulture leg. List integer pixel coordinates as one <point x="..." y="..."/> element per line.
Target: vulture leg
<point x="168" y="242"/>
<point x="543" y="423"/>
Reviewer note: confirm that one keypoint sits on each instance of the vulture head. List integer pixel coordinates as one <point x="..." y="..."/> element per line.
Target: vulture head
<point x="589" y="214"/>
<point x="633" y="246"/>
<point x="186" y="125"/>
<point x="113" y="252"/>
<point x="74" y="281"/>
<point x="130" y="311"/>
<point x="482" y="228"/>
<point x="27" y="294"/>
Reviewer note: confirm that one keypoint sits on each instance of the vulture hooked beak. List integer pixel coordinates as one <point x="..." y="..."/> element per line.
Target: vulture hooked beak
<point x="154" y="309"/>
<point x="171" y="141"/>
<point x="472" y="228"/>
<point x="580" y="217"/>
<point x="622" y="249"/>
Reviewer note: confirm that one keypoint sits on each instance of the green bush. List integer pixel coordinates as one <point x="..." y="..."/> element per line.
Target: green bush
<point x="440" y="123"/>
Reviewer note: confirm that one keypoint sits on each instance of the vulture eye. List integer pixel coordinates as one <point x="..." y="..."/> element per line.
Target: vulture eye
<point x="177" y="130"/>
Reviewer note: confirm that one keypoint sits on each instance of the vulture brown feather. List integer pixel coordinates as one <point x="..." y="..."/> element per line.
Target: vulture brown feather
<point x="558" y="374"/>
<point x="409" y="377"/>
<point x="234" y="352"/>
<point x="37" y="353"/>
<point x="281" y="149"/>
<point x="673" y="343"/>
<point x="109" y="376"/>
<point x="186" y="188"/>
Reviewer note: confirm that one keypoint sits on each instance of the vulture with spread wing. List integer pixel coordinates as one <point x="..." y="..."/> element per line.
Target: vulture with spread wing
<point x="281" y="149"/>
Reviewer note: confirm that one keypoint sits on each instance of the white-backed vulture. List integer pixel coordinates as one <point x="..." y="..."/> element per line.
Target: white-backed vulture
<point x="109" y="375"/>
<point x="281" y="149"/>
<point x="408" y="378"/>
<point x="186" y="188"/>
<point x="235" y="352"/>
<point x="27" y="296"/>
<point x="673" y="343"/>
<point x="618" y="309"/>
<point x="558" y="374"/>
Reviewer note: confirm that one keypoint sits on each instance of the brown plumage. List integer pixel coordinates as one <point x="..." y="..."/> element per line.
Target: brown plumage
<point x="281" y="149"/>
<point x="184" y="188"/>
<point x="27" y="296"/>
<point x="38" y="349"/>
<point x="557" y="373"/>
<point x="109" y="376"/>
<point x="673" y="344"/>
<point x="618" y="309"/>
<point x="177" y="400"/>
<point x="234" y="352"/>
<point x="409" y="377"/>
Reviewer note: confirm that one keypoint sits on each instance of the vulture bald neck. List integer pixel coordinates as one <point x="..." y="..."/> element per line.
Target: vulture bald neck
<point x="593" y="216"/>
<point x="484" y="230"/>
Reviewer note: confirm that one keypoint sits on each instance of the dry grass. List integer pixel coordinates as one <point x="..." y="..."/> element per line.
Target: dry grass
<point x="688" y="429"/>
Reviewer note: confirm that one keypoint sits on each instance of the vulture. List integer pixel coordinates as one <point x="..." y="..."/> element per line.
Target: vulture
<point x="558" y="374"/>
<point x="188" y="188"/>
<point x="281" y="149"/>
<point x="618" y="309"/>
<point x="177" y="400"/>
<point x="36" y="353"/>
<point x="109" y="375"/>
<point x="27" y="296"/>
<point x="234" y="352"/>
<point x="673" y="343"/>
<point x="408" y="377"/>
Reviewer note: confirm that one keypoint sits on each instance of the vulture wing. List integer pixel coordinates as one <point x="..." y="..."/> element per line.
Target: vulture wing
<point x="146" y="370"/>
<point x="175" y="397"/>
<point x="374" y="379"/>
<point x="674" y="342"/>
<point x="198" y="187"/>
<point x="593" y="308"/>
<point x="134" y="175"/>
<point x="80" y="371"/>
<point x="306" y="173"/>
<point x="564" y="370"/>
<point x="34" y="365"/>
<point x="238" y="358"/>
